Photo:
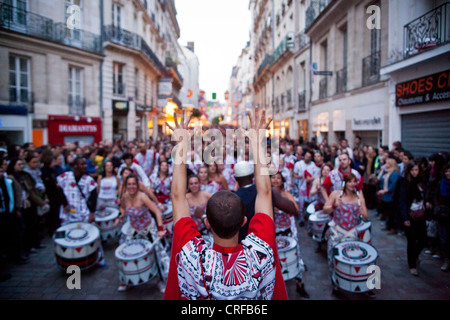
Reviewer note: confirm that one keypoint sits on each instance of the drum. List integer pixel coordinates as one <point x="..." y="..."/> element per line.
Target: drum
<point x="311" y="208"/>
<point x="136" y="262"/>
<point x="319" y="221"/>
<point x="167" y="216"/>
<point x="105" y="221"/>
<point x="282" y="223"/>
<point x="365" y="231"/>
<point x="351" y="260"/>
<point x="77" y="244"/>
<point x="289" y="260"/>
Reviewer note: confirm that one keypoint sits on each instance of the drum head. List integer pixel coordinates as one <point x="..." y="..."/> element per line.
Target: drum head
<point x="168" y="210"/>
<point x="355" y="253"/>
<point x="285" y="243"/>
<point x="364" y="226"/>
<point x="311" y="208"/>
<point x="107" y="214"/>
<point x="77" y="234"/>
<point x="319" y="217"/>
<point x="133" y="249"/>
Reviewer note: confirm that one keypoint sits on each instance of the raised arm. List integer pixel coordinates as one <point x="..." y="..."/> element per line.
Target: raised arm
<point x="180" y="205"/>
<point x="258" y="127"/>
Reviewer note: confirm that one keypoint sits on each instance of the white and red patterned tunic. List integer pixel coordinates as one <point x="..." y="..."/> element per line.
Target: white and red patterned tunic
<point x="212" y="187"/>
<point x="76" y="200"/>
<point x="248" y="271"/>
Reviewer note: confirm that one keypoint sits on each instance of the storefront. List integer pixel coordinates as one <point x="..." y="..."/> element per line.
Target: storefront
<point x="74" y="129"/>
<point x="15" y="125"/>
<point x="120" y="119"/>
<point x="320" y="126"/>
<point x="424" y="106"/>
<point x="368" y="123"/>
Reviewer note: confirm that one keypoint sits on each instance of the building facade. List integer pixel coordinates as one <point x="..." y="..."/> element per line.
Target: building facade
<point x="86" y="61"/>
<point x="419" y="69"/>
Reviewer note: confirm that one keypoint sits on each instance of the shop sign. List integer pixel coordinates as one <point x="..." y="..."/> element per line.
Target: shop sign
<point x="433" y="88"/>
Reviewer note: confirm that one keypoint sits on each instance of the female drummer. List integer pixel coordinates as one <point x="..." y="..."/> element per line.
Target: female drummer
<point x="161" y="182"/>
<point x="319" y="189"/>
<point x="347" y="207"/>
<point x="125" y="173"/>
<point x="136" y="205"/>
<point x="107" y="186"/>
<point x="277" y="181"/>
<point x="197" y="200"/>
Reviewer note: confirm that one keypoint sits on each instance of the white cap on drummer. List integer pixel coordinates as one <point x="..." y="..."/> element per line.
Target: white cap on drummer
<point x="243" y="169"/>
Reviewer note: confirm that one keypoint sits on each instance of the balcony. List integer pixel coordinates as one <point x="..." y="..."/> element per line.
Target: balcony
<point x="28" y="23"/>
<point x="323" y="88"/>
<point x="428" y="31"/>
<point x="77" y="106"/>
<point x="301" y="40"/>
<point x="314" y="10"/>
<point x="289" y="101"/>
<point x="341" y="81"/>
<point x="131" y="40"/>
<point x="371" y="69"/>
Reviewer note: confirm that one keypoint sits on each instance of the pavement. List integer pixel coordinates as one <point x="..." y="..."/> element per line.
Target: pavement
<point x="42" y="279"/>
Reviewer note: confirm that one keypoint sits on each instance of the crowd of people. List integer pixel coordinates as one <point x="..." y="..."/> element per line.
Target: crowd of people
<point x="49" y="186"/>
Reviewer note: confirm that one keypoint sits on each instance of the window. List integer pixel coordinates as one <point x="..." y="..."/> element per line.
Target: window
<point x="76" y="101"/>
<point x="117" y="16"/>
<point x="17" y="12"/>
<point x="118" y="85"/>
<point x="74" y="33"/>
<point x="19" y="80"/>
<point x="136" y="84"/>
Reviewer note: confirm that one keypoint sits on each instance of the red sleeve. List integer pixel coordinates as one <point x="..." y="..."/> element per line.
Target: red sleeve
<point x="263" y="227"/>
<point x="184" y="231"/>
<point x="360" y="184"/>
<point x="327" y="183"/>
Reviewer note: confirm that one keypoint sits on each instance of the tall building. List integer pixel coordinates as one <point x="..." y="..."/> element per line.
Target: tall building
<point x="52" y="53"/>
<point x="86" y="70"/>
<point x="418" y="65"/>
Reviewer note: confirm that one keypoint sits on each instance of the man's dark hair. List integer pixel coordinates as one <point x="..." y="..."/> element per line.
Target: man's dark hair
<point x="127" y="155"/>
<point x="225" y="212"/>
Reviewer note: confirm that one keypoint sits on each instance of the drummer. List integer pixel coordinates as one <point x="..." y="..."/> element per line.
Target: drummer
<point x="197" y="200"/>
<point x="161" y="182"/>
<point x="277" y="181"/>
<point x="125" y="173"/>
<point x="136" y="205"/>
<point x="107" y="187"/>
<point x="347" y="207"/>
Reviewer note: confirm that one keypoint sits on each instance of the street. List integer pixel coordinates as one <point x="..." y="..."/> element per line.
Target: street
<point x="42" y="279"/>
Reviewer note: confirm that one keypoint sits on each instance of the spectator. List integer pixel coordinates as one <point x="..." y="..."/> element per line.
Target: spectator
<point x="388" y="179"/>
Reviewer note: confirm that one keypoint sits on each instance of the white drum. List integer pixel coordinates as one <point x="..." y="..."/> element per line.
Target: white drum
<point x="136" y="262"/>
<point x="105" y="221"/>
<point x="77" y="244"/>
<point x="351" y="260"/>
<point x="365" y="231"/>
<point x="167" y="216"/>
<point x="319" y="221"/>
<point x="282" y="223"/>
<point x="288" y="255"/>
<point x="311" y="208"/>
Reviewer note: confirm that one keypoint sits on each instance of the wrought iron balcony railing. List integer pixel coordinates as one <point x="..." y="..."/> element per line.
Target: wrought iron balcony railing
<point x="77" y="105"/>
<point x="323" y="88"/>
<point x="314" y="10"/>
<point x="28" y="23"/>
<point x="301" y="40"/>
<point x="371" y="69"/>
<point x="131" y="40"/>
<point x="341" y="80"/>
<point x="428" y="31"/>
